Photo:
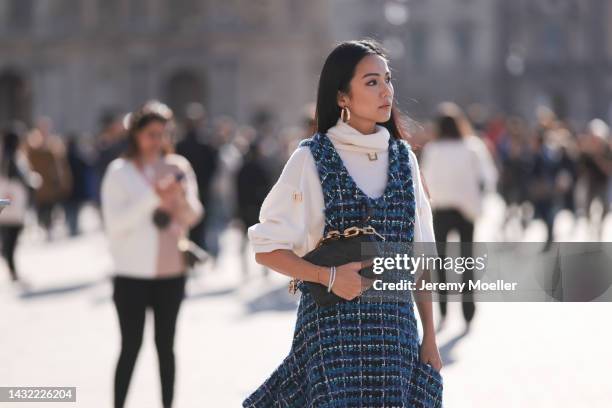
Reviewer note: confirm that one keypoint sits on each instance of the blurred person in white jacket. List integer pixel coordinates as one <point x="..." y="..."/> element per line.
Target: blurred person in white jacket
<point x="149" y="202"/>
<point x="458" y="170"/>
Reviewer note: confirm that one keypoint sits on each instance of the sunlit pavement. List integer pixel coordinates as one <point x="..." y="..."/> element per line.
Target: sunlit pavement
<point x="60" y="329"/>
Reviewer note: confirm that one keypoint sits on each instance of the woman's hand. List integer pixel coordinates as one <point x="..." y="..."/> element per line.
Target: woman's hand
<point x="349" y="283"/>
<point x="429" y="353"/>
<point x="169" y="190"/>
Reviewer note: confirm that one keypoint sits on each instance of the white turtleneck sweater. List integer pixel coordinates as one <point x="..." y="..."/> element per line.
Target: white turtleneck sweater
<point x="292" y="215"/>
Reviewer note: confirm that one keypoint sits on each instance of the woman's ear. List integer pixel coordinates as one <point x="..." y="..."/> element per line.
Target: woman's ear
<point x="342" y="99"/>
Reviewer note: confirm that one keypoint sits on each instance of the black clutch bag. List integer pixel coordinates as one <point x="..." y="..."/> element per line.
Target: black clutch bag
<point x="337" y="249"/>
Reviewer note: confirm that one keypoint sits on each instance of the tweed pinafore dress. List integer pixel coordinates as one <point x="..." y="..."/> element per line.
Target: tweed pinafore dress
<point x="356" y="353"/>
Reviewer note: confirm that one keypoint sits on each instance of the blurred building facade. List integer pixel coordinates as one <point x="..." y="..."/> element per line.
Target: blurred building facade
<point x="440" y="49"/>
<point x="74" y="60"/>
<point x="505" y="55"/>
<point x="557" y="53"/>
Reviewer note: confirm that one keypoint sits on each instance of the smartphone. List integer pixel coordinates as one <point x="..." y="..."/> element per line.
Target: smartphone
<point x="4" y="203"/>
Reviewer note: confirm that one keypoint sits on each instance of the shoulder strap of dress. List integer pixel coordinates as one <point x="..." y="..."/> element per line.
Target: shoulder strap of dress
<point x="404" y="149"/>
<point x="405" y="145"/>
<point x="324" y="162"/>
<point x="305" y="142"/>
<point x="316" y="146"/>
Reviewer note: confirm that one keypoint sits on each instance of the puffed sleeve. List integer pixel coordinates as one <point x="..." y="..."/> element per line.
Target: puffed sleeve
<point x="423" y="228"/>
<point x="285" y="218"/>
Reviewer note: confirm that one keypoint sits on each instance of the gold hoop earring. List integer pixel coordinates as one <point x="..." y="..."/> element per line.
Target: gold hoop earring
<point x="345" y="114"/>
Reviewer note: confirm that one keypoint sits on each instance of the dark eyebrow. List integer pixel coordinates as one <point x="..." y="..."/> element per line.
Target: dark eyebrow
<point x="374" y="74"/>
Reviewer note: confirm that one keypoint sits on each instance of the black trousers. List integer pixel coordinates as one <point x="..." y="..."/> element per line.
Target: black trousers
<point x="444" y="221"/>
<point x="132" y="296"/>
<point x="10" y="234"/>
<point x="45" y="215"/>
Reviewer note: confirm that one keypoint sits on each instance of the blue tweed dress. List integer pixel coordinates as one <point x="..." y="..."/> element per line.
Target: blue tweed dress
<point x="356" y="353"/>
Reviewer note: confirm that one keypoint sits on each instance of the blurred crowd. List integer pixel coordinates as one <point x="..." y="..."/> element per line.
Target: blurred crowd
<point x="549" y="166"/>
<point x="540" y="168"/>
<point x="52" y="177"/>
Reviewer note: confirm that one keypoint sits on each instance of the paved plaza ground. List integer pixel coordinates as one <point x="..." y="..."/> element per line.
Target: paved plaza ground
<point x="60" y="329"/>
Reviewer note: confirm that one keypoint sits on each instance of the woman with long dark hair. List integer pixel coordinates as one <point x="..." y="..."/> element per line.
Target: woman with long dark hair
<point x="149" y="202"/>
<point x="357" y="167"/>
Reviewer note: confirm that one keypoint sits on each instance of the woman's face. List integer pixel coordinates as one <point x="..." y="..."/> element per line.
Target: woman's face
<point x="370" y="96"/>
<point x="151" y="139"/>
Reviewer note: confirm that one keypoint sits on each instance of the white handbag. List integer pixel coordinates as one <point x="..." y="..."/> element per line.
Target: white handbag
<point x="15" y="191"/>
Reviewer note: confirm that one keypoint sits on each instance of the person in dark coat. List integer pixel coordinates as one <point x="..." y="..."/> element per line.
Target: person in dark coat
<point x="203" y="159"/>
<point x="541" y="185"/>
<point x="253" y="184"/>
<point x="110" y="144"/>
<point x="82" y="181"/>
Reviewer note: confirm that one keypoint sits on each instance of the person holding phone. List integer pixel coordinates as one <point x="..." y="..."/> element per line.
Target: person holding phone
<point x="149" y="203"/>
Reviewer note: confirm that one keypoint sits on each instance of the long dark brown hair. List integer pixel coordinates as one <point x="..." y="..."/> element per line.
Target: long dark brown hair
<point x="151" y="111"/>
<point x="336" y="75"/>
